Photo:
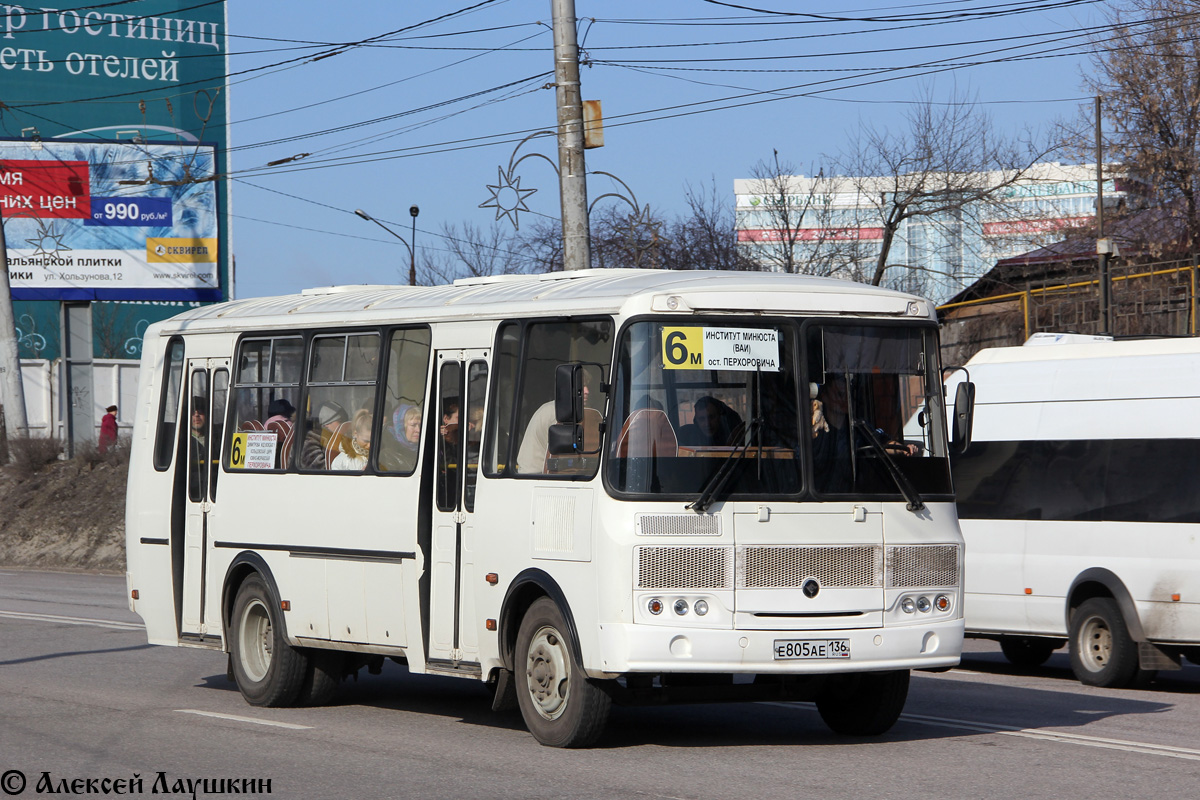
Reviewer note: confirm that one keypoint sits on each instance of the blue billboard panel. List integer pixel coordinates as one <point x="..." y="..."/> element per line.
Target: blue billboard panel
<point x="108" y="221"/>
<point x="130" y="212"/>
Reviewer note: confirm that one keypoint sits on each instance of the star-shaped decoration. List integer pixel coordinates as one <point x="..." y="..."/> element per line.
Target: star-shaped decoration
<point x="47" y="242"/>
<point x="508" y="198"/>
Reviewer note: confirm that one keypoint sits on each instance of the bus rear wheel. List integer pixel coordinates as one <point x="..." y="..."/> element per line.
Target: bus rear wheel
<point x="561" y="707"/>
<point x="268" y="671"/>
<point x="1028" y="651"/>
<point x="863" y="703"/>
<point x="1102" y="651"/>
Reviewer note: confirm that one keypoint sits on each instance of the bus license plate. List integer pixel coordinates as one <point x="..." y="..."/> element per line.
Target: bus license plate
<point x="811" y="648"/>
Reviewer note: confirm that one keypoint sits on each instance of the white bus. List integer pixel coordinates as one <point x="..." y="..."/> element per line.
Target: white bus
<point x="580" y="488"/>
<point x="1078" y="503"/>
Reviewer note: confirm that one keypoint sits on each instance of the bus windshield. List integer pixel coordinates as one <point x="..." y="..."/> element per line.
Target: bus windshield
<point x="759" y="408"/>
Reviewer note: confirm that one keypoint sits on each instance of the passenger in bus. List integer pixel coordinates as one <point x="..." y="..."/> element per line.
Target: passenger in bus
<point x="831" y="439"/>
<point x="197" y="445"/>
<point x="355" y="450"/>
<point x="280" y="410"/>
<point x="398" y="452"/>
<point x="449" y="429"/>
<point x="535" y="444"/>
<point x="279" y="422"/>
<point x="713" y="424"/>
<point x="323" y="437"/>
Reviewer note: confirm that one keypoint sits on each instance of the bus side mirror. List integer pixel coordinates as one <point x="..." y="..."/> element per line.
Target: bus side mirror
<point x="964" y="413"/>
<point x="564" y="439"/>
<point x="568" y="394"/>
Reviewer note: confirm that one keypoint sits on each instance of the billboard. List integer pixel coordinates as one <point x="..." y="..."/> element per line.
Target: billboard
<point x="147" y="73"/>
<point x="109" y="221"/>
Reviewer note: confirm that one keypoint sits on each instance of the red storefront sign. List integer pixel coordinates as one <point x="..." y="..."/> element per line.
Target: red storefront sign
<point x="47" y="190"/>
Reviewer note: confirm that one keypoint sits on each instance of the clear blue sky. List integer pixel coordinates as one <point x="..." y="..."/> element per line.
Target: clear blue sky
<point x="419" y="117"/>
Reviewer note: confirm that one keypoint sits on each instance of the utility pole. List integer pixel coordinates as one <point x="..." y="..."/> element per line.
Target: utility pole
<point x="572" y="173"/>
<point x="12" y="389"/>
<point x="1103" y="246"/>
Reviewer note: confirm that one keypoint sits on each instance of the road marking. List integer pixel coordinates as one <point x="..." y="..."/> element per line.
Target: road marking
<point x="1058" y="736"/>
<point x="245" y="719"/>
<point x="1143" y="748"/>
<point x="99" y="623"/>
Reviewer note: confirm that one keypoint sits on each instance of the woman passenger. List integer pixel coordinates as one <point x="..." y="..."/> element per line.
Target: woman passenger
<point x="355" y="452"/>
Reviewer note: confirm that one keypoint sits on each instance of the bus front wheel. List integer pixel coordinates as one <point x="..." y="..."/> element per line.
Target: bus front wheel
<point x="268" y="671"/>
<point x="1102" y="651"/>
<point x="863" y="703"/>
<point x="561" y="707"/>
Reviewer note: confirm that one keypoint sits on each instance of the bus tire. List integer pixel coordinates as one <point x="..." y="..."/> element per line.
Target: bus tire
<point x="1102" y="651"/>
<point x="322" y="677"/>
<point x="268" y="671"/>
<point x="561" y="707"/>
<point x="863" y="703"/>
<point x="1027" y="652"/>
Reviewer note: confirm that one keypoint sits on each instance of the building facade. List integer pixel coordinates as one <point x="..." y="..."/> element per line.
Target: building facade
<point x="836" y="225"/>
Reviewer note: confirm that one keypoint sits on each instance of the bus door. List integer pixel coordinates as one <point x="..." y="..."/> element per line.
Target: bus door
<point x="208" y="390"/>
<point x="461" y="389"/>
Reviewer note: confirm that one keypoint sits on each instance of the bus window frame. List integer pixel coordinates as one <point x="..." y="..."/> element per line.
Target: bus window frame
<point x="162" y="401"/>
<point x="933" y="388"/>
<point x="234" y="386"/>
<point x="798" y="368"/>
<point x="385" y="351"/>
<point x="509" y="457"/>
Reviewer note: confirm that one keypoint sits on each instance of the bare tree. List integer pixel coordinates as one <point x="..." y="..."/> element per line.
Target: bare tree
<point x="1149" y="85"/>
<point x="706" y="237"/>
<point x="473" y="252"/>
<point x="948" y="170"/>
<point x="802" y="229"/>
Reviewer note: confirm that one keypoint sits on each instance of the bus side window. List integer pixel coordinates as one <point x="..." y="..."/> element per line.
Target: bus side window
<point x="403" y="402"/>
<point x="545" y="346"/>
<point x="266" y="391"/>
<point x="342" y="374"/>
<point x="168" y="412"/>
<point x="219" y="402"/>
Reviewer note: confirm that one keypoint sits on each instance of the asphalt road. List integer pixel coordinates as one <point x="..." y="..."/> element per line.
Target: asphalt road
<point x="82" y="696"/>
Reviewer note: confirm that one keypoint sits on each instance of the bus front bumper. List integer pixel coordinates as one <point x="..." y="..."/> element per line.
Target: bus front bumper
<point x="651" y="648"/>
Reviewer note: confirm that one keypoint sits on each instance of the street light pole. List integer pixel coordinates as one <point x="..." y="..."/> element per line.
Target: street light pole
<point x="412" y="251"/>
<point x="412" y="256"/>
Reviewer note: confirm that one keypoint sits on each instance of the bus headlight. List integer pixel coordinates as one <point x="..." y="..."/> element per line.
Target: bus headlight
<point x="701" y="607"/>
<point x="908" y="605"/>
<point x="923" y="604"/>
<point x="681" y="606"/>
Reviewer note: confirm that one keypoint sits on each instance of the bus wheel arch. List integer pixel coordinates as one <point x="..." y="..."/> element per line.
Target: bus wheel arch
<point x="242" y="567"/>
<point x="1103" y="631"/>
<point x="1100" y="582"/>
<point x="524" y="590"/>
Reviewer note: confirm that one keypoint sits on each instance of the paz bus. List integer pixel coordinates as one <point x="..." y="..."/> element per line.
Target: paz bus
<point x="1078" y="507"/>
<point x="579" y="488"/>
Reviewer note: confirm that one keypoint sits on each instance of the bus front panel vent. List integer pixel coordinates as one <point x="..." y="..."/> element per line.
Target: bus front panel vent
<point x="786" y="567"/>
<point x="684" y="567"/>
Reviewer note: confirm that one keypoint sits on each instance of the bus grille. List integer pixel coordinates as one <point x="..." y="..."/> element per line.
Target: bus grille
<point x="789" y="567"/>
<point x="678" y="525"/>
<point x="925" y="566"/>
<point x="684" y="567"/>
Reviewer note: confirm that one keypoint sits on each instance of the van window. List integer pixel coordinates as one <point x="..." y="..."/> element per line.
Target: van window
<point x="168" y="404"/>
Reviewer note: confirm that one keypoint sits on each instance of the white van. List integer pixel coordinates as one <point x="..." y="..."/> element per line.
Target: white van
<point x="1079" y="503"/>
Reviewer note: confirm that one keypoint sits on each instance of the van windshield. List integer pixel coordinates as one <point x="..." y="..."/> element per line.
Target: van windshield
<point x="775" y="408"/>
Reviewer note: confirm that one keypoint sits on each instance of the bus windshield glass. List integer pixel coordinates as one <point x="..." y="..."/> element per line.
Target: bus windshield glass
<point x="695" y="401"/>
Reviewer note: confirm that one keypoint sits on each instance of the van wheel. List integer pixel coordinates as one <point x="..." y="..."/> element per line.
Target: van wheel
<point x="268" y="671"/>
<point x="863" y="703"/>
<point x="1028" y="651"/>
<point x="561" y="707"/>
<point x="1102" y="652"/>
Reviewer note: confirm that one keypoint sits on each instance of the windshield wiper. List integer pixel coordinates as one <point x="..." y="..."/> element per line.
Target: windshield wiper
<point x="716" y="483"/>
<point x="915" y="503"/>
